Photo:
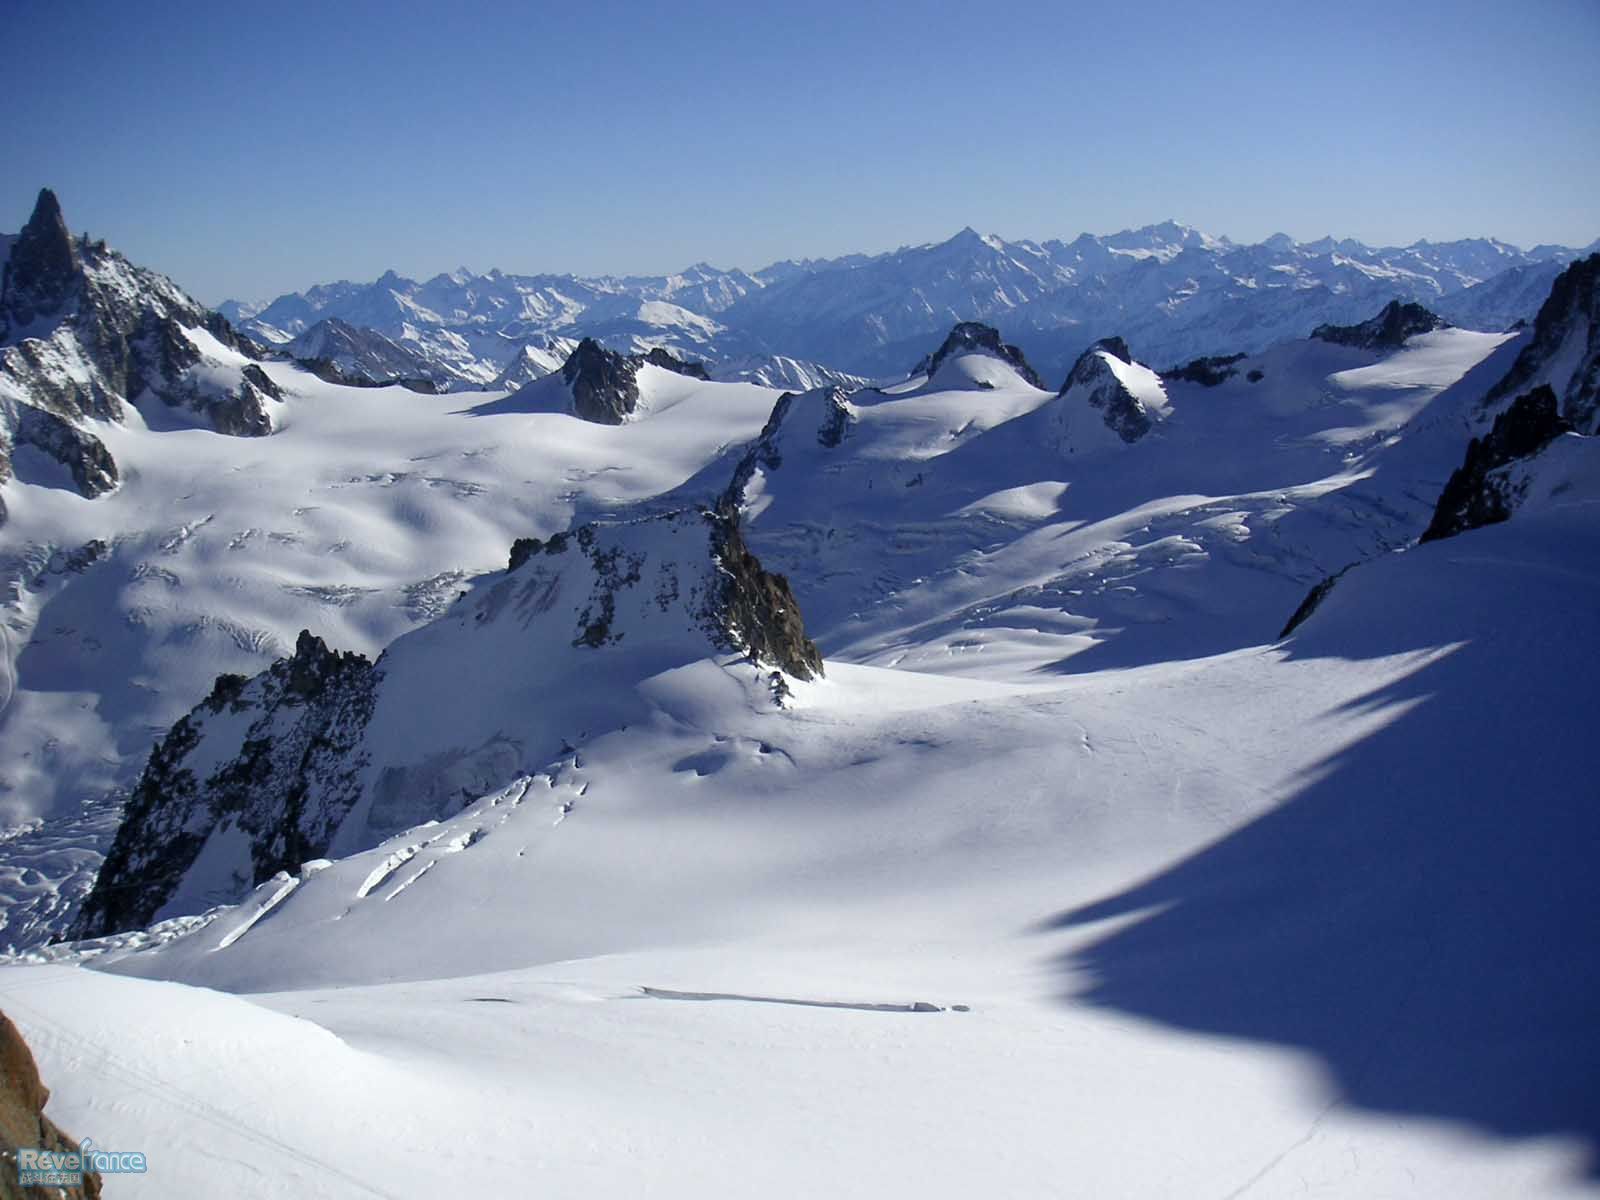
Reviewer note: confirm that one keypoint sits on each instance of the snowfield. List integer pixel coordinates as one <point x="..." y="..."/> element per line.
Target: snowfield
<point x="1071" y="877"/>
<point x="362" y="516"/>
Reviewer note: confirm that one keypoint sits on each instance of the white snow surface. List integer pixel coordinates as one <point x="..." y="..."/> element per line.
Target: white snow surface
<point x="1069" y="878"/>
<point x="365" y="514"/>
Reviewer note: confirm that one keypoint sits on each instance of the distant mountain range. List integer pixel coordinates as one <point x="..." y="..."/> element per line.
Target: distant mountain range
<point x="1170" y="291"/>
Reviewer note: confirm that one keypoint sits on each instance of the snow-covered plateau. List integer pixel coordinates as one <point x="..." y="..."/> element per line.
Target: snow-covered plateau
<point x="633" y="779"/>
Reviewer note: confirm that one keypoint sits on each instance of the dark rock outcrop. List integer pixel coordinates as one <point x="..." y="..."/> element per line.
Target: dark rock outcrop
<point x="260" y="776"/>
<point x="1569" y="320"/>
<point x="1207" y="372"/>
<point x="757" y="609"/>
<point x="668" y="361"/>
<point x="833" y="413"/>
<point x="974" y="337"/>
<point x="295" y="729"/>
<point x="1479" y="492"/>
<point x="94" y="471"/>
<point x="604" y="384"/>
<point x="1092" y="379"/>
<point x="1389" y="330"/>
<point x="42" y="273"/>
<point x="83" y="332"/>
<point x="1318" y="593"/>
<point x="23" y="1125"/>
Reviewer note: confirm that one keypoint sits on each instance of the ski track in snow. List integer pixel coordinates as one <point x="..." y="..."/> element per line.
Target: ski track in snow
<point x="915" y="1006"/>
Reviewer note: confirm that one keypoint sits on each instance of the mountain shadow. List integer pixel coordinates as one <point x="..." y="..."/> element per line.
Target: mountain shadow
<point x="1421" y="914"/>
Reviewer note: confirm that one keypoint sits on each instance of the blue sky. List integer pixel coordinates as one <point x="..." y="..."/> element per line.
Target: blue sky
<point x="248" y="150"/>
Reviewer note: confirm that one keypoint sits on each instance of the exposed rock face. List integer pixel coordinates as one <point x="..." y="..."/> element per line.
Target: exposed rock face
<point x="83" y="332"/>
<point x="291" y="777"/>
<point x="1128" y="396"/>
<point x="1386" y="331"/>
<point x="1481" y="491"/>
<point x="42" y="272"/>
<point x="1564" y="350"/>
<point x="757" y="609"/>
<point x="1314" y="598"/>
<point x="326" y="753"/>
<point x="974" y="337"/>
<point x="94" y="471"/>
<point x="1207" y="372"/>
<point x="827" y="410"/>
<point x="23" y="1124"/>
<point x="604" y="384"/>
<point x="668" y="361"/>
<point x="746" y="608"/>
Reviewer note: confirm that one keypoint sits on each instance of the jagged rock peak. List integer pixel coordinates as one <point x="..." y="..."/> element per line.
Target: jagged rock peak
<point x="1479" y="492"/>
<point x="286" y="771"/>
<point x="1389" y="330"/>
<point x="44" y="266"/>
<point x="826" y="411"/>
<point x="974" y="337"/>
<point x="1113" y="346"/>
<point x="744" y="607"/>
<point x="604" y="384"/>
<point x="759" y="611"/>
<point x="1128" y="394"/>
<point x="83" y="332"/>
<point x="327" y="753"/>
<point x="1566" y="331"/>
<point x="1089" y="366"/>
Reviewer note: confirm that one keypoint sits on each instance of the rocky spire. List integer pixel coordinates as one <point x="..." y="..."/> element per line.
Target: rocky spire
<point x="1478" y="493"/>
<point x="1129" y="409"/>
<point x="43" y="269"/>
<point x="603" y="383"/>
<point x="1566" y="338"/>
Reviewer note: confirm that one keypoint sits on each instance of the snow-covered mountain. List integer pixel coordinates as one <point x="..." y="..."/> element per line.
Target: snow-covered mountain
<point x="329" y="754"/>
<point x="472" y="755"/>
<point x="342" y="353"/>
<point x="537" y="358"/>
<point x="87" y="340"/>
<point x="1172" y="292"/>
<point x="786" y="374"/>
<point x="1564" y="350"/>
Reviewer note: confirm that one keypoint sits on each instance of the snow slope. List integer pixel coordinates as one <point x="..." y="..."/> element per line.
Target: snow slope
<point x="954" y="529"/>
<point x="363" y="515"/>
<point x="691" y="955"/>
<point x="1069" y="877"/>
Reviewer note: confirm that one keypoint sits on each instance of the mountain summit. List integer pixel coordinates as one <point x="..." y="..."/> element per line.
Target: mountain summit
<point x="83" y="333"/>
<point x="1564" y="350"/>
<point x="974" y="337"/>
<point x="43" y="268"/>
<point x="1176" y="292"/>
<point x="1389" y="330"/>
